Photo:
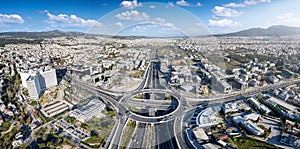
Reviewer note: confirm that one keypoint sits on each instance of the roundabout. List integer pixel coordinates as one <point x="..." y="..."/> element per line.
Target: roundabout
<point x="153" y="105"/>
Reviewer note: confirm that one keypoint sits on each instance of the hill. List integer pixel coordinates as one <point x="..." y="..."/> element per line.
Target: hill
<point x="277" y="30"/>
<point x="40" y="35"/>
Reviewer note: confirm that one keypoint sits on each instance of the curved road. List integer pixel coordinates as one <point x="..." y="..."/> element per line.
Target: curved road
<point x="152" y="83"/>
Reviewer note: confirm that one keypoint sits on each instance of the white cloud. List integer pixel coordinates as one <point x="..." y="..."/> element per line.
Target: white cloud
<point x="142" y="18"/>
<point x="289" y="19"/>
<point x="162" y="22"/>
<point x="199" y="24"/>
<point x="255" y="2"/>
<point x="246" y="3"/>
<point x="183" y="3"/>
<point x="219" y="11"/>
<point x="43" y="11"/>
<point x="130" y="4"/>
<point x="152" y="7"/>
<point x="198" y="4"/>
<point x="223" y="23"/>
<point x="11" y="19"/>
<point x="235" y="5"/>
<point x="171" y="4"/>
<point x="140" y="29"/>
<point x="63" y="20"/>
<point x="119" y="24"/>
<point x="153" y="25"/>
<point x="132" y="15"/>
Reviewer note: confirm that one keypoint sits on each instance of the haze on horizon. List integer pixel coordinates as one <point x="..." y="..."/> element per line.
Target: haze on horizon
<point x="144" y="17"/>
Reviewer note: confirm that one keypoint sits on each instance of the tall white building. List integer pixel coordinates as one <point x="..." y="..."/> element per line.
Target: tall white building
<point x="49" y="78"/>
<point x="34" y="87"/>
<point x="24" y="76"/>
<point x="38" y="81"/>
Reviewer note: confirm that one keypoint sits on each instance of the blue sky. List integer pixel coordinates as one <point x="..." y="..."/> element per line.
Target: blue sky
<point x="190" y="17"/>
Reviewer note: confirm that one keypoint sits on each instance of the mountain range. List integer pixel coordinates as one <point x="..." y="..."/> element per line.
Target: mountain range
<point x="40" y="35"/>
<point x="276" y="30"/>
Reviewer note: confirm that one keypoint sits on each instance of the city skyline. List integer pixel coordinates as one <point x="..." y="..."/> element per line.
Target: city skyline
<point x="157" y="75"/>
<point x="115" y="16"/>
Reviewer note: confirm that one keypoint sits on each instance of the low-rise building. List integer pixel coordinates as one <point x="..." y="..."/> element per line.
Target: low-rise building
<point x="74" y="131"/>
<point x="259" y="106"/>
<point x="88" y="111"/>
<point x="252" y="116"/>
<point x="284" y="96"/>
<point x="248" y="125"/>
<point x="230" y="107"/>
<point x="55" y="107"/>
<point x="273" y="79"/>
<point x="222" y="143"/>
<point x="209" y="117"/>
<point x="200" y="135"/>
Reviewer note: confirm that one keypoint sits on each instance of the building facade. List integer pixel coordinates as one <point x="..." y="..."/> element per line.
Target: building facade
<point x="49" y="78"/>
<point x="37" y="81"/>
<point x="34" y="87"/>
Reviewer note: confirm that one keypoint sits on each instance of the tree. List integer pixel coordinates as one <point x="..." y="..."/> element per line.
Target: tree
<point x="10" y="93"/>
<point x="84" y="126"/>
<point x="2" y="66"/>
<point x="270" y="129"/>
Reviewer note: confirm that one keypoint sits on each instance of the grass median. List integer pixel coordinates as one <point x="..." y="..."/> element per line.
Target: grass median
<point x="127" y="134"/>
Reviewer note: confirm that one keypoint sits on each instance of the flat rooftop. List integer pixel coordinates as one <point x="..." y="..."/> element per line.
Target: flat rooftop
<point x="283" y="104"/>
<point x="200" y="134"/>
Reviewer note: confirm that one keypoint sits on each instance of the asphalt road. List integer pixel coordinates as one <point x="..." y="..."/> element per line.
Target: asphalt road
<point x="138" y="136"/>
<point x="164" y="126"/>
<point x="149" y="137"/>
<point x="163" y="136"/>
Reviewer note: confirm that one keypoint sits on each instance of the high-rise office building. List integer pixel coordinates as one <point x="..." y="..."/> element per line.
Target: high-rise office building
<point x="24" y="76"/>
<point x="34" y="87"/>
<point x="49" y="78"/>
<point x="38" y="81"/>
